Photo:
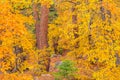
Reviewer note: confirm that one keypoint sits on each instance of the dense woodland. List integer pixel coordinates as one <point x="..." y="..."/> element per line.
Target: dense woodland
<point x="59" y="39"/>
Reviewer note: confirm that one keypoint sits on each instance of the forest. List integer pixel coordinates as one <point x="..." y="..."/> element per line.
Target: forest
<point x="59" y="39"/>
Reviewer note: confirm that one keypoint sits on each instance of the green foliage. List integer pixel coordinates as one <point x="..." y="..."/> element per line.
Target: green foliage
<point x="66" y="70"/>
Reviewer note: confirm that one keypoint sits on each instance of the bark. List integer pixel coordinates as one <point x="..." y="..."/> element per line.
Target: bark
<point x="43" y="40"/>
<point x="41" y="29"/>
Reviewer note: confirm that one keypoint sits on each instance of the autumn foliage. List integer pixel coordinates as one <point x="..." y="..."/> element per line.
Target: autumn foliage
<point x="77" y="39"/>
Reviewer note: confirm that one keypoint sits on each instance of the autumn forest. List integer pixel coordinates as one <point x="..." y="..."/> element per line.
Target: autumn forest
<point x="59" y="39"/>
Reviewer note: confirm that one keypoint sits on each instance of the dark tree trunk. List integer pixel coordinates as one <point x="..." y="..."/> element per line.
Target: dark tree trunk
<point x="43" y="40"/>
<point x="41" y="29"/>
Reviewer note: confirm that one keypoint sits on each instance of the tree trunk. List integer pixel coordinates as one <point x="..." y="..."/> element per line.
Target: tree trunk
<point x="43" y="40"/>
<point x="41" y="29"/>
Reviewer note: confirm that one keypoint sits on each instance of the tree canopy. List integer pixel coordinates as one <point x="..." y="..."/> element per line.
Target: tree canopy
<point x="38" y="35"/>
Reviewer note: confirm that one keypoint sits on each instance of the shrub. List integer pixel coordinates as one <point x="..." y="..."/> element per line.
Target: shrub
<point x="66" y="70"/>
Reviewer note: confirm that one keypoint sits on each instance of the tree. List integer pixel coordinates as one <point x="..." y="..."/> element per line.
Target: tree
<point x="87" y="31"/>
<point x="16" y="49"/>
<point x="42" y="27"/>
<point x="97" y="42"/>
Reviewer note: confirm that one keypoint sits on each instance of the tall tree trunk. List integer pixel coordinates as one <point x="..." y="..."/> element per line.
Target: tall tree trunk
<point x="43" y="40"/>
<point x="41" y="29"/>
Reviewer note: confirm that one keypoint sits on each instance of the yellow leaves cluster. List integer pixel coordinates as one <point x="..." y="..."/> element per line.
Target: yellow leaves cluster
<point x="16" y="77"/>
<point x="98" y="39"/>
<point x="13" y="32"/>
<point x="48" y="3"/>
<point x="107" y="74"/>
<point x="21" y="4"/>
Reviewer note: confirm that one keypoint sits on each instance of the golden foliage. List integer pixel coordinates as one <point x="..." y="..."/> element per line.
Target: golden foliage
<point x="16" y="42"/>
<point x="86" y="30"/>
<point x="97" y="41"/>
